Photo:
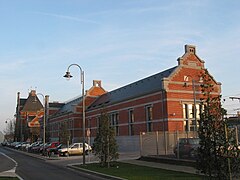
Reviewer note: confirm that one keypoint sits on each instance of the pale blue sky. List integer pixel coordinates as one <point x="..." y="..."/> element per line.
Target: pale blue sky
<point x="117" y="42"/>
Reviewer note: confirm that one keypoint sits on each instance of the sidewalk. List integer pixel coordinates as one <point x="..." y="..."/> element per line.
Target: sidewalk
<point x="166" y="163"/>
<point x="9" y="173"/>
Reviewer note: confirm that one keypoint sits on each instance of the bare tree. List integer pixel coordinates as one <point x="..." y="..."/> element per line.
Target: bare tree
<point x="9" y="131"/>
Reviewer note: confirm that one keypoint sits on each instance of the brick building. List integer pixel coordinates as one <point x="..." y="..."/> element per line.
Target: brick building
<point x="161" y="102"/>
<point x="66" y="118"/>
<point x="28" y="113"/>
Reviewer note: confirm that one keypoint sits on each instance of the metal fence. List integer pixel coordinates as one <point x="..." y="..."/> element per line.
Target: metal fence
<point x="161" y="143"/>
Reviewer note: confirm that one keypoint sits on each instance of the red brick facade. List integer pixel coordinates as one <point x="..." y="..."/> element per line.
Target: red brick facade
<point x="156" y="110"/>
<point x="70" y="113"/>
<point x="162" y="102"/>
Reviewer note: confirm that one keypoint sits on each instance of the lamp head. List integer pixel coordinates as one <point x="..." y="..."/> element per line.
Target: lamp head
<point x="68" y="75"/>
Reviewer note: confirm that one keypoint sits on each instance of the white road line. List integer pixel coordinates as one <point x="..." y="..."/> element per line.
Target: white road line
<point x="11" y="171"/>
<point x="10" y="159"/>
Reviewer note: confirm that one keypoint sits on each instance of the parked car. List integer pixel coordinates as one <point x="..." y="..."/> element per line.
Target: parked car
<point x="20" y="145"/>
<point x="54" y="150"/>
<point x="32" y="147"/>
<point x="187" y="147"/>
<point x="53" y="145"/>
<point x="4" y="143"/>
<point x="47" y="146"/>
<point x="36" y="148"/>
<point x="14" y="144"/>
<point x="24" y="145"/>
<point x="75" y="148"/>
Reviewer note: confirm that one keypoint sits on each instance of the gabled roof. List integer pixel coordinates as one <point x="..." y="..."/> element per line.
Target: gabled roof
<point x="139" y="88"/>
<point x="56" y="105"/>
<point x="22" y="101"/>
<point x="69" y="106"/>
<point x="32" y="104"/>
<point x="95" y="91"/>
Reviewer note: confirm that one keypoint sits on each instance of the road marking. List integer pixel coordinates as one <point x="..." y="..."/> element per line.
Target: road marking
<point x="11" y="160"/>
<point x="12" y="171"/>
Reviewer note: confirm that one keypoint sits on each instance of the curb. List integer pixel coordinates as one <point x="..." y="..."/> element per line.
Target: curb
<point x="71" y="166"/>
<point x="33" y="155"/>
<point x="165" y="160"/>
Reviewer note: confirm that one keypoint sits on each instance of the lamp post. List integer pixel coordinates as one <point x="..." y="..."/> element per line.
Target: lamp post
<point x="44" y="122"/>
<point x="194" y="98"/>
<point x="68" y="75"/>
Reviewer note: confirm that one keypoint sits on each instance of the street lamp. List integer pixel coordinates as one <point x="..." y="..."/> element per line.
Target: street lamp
<point x="68" y="76"/>
<point x="44" y="121"/>
<point x="194" y="97"/>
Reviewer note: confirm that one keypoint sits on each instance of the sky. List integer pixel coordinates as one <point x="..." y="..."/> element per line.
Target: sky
<point x="115" y="41"/>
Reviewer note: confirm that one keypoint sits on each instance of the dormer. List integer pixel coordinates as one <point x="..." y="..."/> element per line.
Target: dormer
<point x="96" y="89"/>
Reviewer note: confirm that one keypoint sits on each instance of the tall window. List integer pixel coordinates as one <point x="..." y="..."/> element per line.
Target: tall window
<point x="130" y="122"/>
<point x="114" y="122"/>
<point x="149" y="118"/>
<point x="188" y="115"/>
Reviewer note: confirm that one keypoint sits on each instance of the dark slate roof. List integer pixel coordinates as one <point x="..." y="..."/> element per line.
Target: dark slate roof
<point x="68" y="106"/>
<point x="22" y="101"/>
<point x="32" y="104"/>
<point x="139" y="88"/>
<point x="56" y="105"/>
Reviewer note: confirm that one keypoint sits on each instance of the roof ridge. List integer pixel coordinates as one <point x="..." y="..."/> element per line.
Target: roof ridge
<point x="138" y="88"/>
<point x="140" y="80"/>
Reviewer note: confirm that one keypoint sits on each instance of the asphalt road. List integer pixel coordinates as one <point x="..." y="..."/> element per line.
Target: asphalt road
<point x="32" y="168"/>
<point x="6" y="163"/>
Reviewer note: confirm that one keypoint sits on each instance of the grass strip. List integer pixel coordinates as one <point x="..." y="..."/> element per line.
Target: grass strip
<point x="135" y="172"/>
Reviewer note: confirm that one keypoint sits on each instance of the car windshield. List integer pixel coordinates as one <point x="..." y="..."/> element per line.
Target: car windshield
<point x="194" y="141"/>
<point x="189" y="140"/>
<point x="59" y="145"/>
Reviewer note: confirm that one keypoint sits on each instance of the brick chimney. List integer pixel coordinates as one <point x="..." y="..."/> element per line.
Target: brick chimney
<point x="33" y="93"/>
<point x="190" y="49"/>
<point x="97" y="83"/>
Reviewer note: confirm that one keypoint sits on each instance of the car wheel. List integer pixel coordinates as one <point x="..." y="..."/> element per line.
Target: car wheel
<point x="66" y="154"/>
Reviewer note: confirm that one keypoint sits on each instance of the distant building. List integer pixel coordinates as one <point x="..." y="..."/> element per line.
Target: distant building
<point x="28" y="113"/>
<point x="234" y="122"/>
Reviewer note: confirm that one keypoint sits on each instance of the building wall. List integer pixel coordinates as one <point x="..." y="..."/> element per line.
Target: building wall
<point x="167" y="105"/>
<point x="165" y="108"/>
<point x="138" y="106"/>
<point x="73" y="117"/>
